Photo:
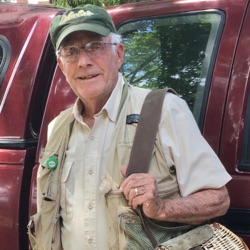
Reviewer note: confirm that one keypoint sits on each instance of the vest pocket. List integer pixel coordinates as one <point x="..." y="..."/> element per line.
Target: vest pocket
<point x="48" y="220"/>
<point x="67" y="191"/>
<point x="123" y="153"/>
<point x="33" y="230"/>
<point x="43" y="227"/>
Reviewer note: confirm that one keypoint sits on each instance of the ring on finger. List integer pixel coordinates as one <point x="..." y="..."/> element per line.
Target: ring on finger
<point x="136" y="191"/>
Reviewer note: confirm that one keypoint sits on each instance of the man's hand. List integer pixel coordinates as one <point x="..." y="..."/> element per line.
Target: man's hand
<point x="140" y="189"/>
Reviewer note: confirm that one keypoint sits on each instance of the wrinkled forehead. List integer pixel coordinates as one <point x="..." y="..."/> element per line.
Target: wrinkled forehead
<point x="81" y="37"/>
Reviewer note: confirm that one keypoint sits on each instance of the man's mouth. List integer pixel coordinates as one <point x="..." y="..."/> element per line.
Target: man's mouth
<point x="87" y="77"/>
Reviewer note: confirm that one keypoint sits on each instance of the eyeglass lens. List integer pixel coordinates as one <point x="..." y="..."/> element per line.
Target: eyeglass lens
<point x="72" y="53"/>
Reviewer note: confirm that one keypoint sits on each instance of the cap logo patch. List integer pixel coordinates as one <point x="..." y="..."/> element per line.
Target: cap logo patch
<point x="73" y="15"/>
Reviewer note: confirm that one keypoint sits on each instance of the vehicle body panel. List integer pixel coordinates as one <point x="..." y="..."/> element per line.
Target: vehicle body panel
<point x="26" y="28"/>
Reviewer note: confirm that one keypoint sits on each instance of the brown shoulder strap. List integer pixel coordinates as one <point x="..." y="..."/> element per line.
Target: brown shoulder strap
<point x="146" y="132"/>
<point x="144" y="142"/>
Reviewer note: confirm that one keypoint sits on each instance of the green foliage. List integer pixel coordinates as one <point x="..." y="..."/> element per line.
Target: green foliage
<point x="166" y="52"/>
<point x="79" y="3"/>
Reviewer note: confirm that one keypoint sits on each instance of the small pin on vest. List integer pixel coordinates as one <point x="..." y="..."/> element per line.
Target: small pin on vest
<point x="52" y="163"/>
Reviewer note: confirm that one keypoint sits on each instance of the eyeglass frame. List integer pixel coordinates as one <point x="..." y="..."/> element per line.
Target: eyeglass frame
<point x="58" y="52"/>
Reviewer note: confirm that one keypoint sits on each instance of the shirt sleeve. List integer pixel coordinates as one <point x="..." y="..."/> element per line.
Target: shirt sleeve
<point x="197" y="165"/>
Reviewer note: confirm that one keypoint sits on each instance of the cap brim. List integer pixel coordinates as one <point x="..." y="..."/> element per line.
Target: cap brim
<point x="99" y="29"/>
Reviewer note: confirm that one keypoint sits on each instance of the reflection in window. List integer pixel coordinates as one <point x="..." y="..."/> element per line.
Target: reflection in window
<point x="5" y="55"/>
<point x="173" y="51"/>
<point x="1" y="55"/>
<point x="245" y="157"/>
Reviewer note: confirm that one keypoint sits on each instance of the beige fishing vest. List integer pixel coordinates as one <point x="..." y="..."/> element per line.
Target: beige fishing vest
<point x="44" y="227"/>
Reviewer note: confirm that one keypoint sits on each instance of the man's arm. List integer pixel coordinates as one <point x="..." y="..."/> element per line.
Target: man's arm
<point x="139" y="189"/>
<point x="193" y="209"/>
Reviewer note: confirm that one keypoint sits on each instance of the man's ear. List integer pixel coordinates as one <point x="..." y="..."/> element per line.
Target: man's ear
<point x="60" y="63"/>
<point x="120" y="54"/>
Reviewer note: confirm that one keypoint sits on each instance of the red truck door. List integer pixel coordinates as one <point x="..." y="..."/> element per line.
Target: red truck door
<point x="235" y="140"/>
<point x="27" y="63"/>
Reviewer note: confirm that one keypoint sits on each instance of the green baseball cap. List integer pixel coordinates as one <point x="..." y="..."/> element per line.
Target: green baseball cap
<point x="88" y="18"/>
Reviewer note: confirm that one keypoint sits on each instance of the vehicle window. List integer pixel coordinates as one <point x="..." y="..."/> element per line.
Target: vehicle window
<point x="5" y="55"/>
<point x="245" y="157"/>
<point x="175" y="51"/>
<point x="1" y="55"/>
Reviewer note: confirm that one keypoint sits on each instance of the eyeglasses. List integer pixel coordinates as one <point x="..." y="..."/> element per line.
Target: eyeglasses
<point x="72" y="53"/>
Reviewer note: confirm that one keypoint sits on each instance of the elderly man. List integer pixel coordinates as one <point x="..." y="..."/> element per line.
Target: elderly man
<point x="84" y="201"/>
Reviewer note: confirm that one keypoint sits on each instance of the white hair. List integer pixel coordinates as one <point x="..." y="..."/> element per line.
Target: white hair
<point x="115" y="38"/>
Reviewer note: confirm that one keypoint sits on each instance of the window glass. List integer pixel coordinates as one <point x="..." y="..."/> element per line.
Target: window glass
<point x="5" y="55"/>
<point x="1" y="55"/>
<point x="174" y="51"/>
<point x="245" y="157"/>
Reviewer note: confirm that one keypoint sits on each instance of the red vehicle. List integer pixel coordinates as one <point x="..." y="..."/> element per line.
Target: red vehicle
<point x="199" y="48"/>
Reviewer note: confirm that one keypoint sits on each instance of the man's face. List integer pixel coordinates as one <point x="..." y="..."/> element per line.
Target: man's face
<point x="92" y="77"/>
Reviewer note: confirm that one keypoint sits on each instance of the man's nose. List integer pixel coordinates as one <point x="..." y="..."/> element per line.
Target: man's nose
<point x="84" y="58"/>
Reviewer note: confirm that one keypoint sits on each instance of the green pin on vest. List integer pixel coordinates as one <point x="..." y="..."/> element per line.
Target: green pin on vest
<point x="52" y="163"/>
